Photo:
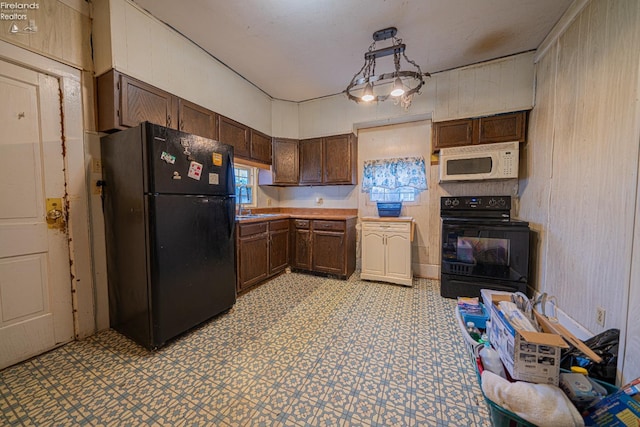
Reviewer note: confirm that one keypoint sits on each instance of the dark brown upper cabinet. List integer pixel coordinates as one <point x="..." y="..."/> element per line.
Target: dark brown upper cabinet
<point x="502" y="128"/>
<point x="126" y="102"/>
<point x="482" y="130"/>
<point x="197" y="120"/>
<point x="260" y="147"/>
<point x="236" y="134"/>
<point x="285" y="161"/>
<point x="328" y="161"/>
<point x="311" y="161"/>
<point x="339" y="159"/>
<point x="452" y="133"/>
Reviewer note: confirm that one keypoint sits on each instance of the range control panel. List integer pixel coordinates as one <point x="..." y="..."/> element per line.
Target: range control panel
<point x="475" y="203"/>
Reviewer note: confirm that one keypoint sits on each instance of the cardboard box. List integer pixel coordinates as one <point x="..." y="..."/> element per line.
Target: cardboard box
<point x="527" y="356"/>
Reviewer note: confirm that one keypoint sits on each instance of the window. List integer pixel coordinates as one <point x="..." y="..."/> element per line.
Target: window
<point x="245" y="184"/>
<point x="402" y="194"/>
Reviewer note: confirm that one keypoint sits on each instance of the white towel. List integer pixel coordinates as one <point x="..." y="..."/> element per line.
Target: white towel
<point x="541" y="404"/>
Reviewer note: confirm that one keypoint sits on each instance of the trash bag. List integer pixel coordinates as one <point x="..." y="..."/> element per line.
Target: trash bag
<point x="604" y="345"/>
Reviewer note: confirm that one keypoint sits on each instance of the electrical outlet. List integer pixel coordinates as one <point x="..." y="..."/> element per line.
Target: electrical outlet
<point x="600" y="316"/>
<point x="96" y="165"/>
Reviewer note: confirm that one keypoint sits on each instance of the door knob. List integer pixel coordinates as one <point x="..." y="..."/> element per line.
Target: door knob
<point x="55" y="215"/>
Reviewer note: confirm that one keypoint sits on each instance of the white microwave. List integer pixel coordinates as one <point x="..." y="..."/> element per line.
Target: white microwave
<point x="478" y="162"/>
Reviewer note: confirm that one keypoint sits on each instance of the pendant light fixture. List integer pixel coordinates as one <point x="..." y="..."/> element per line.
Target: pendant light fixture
<point x="403" y="83"/>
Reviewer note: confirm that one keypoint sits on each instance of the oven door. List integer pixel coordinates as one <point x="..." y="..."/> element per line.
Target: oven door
<point x="486" y="250"/>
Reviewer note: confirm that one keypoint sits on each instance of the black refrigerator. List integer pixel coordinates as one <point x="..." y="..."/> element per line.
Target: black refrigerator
<point x="169" y="210"/>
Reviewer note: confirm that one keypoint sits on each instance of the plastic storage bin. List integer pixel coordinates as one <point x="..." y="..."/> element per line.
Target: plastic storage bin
<point x="500" y="417"/>
<point x="480" y="320"/>
<point x="389" y="208"/>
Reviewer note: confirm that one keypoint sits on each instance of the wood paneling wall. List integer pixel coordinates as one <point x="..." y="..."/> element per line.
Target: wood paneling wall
<point x="579" y="184"/>
<point x="492" y="87"/>
<point x="63" y="33"/>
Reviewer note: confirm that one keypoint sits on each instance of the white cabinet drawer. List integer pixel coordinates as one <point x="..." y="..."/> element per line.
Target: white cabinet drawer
<point x="383" y="226"/>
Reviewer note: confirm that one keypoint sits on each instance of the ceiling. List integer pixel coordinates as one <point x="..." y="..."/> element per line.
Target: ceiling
<point x="297" y="50"/>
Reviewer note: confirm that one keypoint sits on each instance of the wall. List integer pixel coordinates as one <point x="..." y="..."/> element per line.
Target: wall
<point x="496" y="86"/>
<point x="483" y="89"/>
<point x="579" y="184"/>
<point x="137" y="44"/>
<point x="402" y="140"/>
<point x="63" y="32"/>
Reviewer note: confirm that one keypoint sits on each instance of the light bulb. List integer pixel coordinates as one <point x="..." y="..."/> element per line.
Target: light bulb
<point x="398" y="87"/>
<point x="368" y="93"/>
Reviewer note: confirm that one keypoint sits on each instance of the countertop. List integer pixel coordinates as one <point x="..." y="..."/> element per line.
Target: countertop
<point x="301" y="213"/>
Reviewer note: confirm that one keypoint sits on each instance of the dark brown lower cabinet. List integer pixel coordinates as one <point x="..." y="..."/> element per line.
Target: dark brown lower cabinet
<point x="301" y="257"/>
<point x="262" y="251"/>
<point x="318" y="246"/>
<point x="326" y="247"/>
<point x="252" y="254"/>
<point x="278" y="246"/>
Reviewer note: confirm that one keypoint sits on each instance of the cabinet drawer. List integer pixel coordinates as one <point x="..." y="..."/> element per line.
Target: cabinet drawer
<point x="328" y="225"/>
<point x="301" y="223"/>
<point x="281" y="224"/>
<point x="387" y="226"/>
<point x="251" y="229"/>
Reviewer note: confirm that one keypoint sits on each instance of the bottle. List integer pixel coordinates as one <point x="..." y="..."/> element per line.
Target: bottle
<point x="484" y="338"/>
<point x="491" y="360"/>
<point x="473" y="331"/>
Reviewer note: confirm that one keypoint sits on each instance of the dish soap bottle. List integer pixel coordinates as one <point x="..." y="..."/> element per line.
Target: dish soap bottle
<point x="491" y="360"/>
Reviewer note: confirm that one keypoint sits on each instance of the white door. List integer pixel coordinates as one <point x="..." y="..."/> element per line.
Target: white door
<point x="35" y="283"/>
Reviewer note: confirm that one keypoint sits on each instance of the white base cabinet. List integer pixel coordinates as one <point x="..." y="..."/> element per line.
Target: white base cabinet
<point x="386" y="250"/>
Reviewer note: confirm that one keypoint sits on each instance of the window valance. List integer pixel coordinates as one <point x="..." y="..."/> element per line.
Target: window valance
<point x="395" y="173"/>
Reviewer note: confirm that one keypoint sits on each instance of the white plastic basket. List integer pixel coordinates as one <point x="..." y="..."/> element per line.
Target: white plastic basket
<point x="473" y="347"/>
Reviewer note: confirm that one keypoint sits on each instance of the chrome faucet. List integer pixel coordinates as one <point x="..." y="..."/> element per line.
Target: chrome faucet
<point x="240" y="203"/>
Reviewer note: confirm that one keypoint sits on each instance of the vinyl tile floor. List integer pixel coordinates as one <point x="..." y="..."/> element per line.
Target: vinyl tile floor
<point x="299" y="350"/>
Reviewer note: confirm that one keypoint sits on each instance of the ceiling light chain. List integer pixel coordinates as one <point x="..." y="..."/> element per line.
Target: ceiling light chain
<point x="365" y="79"/>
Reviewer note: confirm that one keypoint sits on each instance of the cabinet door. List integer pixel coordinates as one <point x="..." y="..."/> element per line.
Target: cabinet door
<point x="253" y="254"/>
<point x="236" y="134"/>
<point x="452" y="133"/>
<point x="141" y="102"/>
<point x="398" y="255"/>
<point x="278" y="245"/>
<point x="302" y="249"/>
<point x="196" y="119"/>
<point x="373" y="253"/>
<point x="502" y="128"/>
<point x="311" y="161"/>
<point x="339" y="162"/>
<point x="260" y="147"/>
<point x="328" y="252"/>
<point x="285" y="161"/>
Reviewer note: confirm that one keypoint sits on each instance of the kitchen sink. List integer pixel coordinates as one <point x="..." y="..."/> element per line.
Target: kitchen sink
<point x="255" y="215"/>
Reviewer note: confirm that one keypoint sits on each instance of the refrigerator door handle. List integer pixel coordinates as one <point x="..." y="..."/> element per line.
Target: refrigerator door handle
<point x="231" y="176"/>
<point x="231" y="208"/>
